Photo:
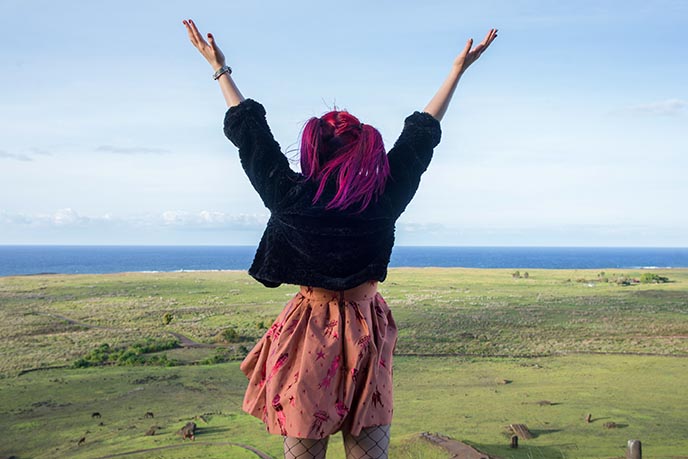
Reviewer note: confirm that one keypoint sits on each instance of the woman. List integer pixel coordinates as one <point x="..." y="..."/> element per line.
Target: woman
<point x="325" y="365"/>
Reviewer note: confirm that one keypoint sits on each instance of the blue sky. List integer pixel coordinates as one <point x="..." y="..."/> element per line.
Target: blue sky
<point x="570" y="130"/>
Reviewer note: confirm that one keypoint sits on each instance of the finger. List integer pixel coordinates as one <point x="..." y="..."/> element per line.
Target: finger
<point x="197" y="34"/>
<point x="189" y="32"/>
<point x="467" y="48"/>
<point x="216" y="49"/>
<point x="492" y="34"/>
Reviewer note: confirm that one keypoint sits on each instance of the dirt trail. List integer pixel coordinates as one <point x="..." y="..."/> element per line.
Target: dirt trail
<point x="457" y="449"/>
<point x="185" y="341"/>
<point x="257" y="452"/>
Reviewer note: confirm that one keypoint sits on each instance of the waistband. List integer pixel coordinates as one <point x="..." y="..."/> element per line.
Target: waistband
<point x="366" y="290"/>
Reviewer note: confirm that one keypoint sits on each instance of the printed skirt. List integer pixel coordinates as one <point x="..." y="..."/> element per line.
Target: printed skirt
<point x="324" y="365"/>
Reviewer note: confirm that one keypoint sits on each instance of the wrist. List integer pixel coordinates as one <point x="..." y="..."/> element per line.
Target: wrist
<point x="457" y="70"/>
<point x="225" y="69"/>
<point x="217" y="65"/>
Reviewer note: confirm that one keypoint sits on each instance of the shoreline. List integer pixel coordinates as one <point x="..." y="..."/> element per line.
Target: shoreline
<point x="400" y="268"/>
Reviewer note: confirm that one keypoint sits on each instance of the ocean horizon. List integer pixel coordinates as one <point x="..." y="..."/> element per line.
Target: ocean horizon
<point x="102" y="259"/>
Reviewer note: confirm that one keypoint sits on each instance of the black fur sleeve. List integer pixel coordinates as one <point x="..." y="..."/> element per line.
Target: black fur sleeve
<point x="261" y="157"/>
<point x="410" y="157"/>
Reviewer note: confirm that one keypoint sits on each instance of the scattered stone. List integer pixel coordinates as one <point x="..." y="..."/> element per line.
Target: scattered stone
<point x="588" y="418"/>
<point x="504" y="381"/>
<point x="188" y="431"/>
<point x="610" y="425"/>
<point x="152" y="430"/>
<point x="81" y="441"/>
<point x="149" y="414"/>
<point x="101" y="424"/>
<point x="95" y="415"/>
<point x="544" y="403"/>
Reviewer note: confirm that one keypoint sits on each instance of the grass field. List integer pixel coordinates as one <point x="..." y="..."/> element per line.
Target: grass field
<point x="574" y="338"/>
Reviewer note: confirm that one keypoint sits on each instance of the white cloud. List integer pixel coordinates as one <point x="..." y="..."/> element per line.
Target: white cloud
<point x="178" y="219"/>
<point x="669" y="107"/>
<point x="28" y="155"/>
<point x="15" y="156"/>
<point x="213" y="219"/>
<point x="64" y="217"/>
<point x="131" y="150"/>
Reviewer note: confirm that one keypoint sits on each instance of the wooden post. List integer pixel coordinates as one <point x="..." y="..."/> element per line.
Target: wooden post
<point x="634" y="450"/>
<point x="514" y="441"/>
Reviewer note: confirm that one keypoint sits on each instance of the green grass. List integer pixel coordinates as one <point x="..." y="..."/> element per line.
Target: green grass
<point x="595" y="347"/>
<point x="46" y="412"/>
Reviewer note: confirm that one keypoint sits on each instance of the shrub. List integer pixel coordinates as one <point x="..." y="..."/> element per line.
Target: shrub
<point x="167" y="318"/>
<point x="229" y="335"/>
<point x="652" y="278"/>
<point x="226" y="355"/>
<point x="132" y="355"/>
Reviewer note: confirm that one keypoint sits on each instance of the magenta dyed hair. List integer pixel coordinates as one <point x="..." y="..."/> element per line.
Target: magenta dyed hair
<point x="339" y="144"/>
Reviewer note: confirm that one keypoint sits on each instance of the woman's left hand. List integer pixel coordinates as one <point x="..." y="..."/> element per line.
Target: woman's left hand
<point x="468" y="55"/>
<point x="210" y="51"/>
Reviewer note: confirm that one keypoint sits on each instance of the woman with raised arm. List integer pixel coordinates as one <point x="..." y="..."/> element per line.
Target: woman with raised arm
<point x="325" y="364"/>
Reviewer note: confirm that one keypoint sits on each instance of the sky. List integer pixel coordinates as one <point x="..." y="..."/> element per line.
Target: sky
<point x="569" y="131"/>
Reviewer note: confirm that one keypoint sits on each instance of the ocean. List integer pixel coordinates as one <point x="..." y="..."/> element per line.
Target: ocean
<point x="25" y="259"/>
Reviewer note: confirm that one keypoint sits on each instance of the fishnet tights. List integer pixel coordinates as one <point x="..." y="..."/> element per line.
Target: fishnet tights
<point x="305" y="448"/>
<point x="372" y="443"/>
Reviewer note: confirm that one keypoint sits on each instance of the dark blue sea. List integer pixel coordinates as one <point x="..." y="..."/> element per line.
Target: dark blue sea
<point x="24" y="259"/>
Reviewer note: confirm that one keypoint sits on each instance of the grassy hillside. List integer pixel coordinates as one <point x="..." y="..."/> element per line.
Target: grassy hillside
<point x="479" y="325"/>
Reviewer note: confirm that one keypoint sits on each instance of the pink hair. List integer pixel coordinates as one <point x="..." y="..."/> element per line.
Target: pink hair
<point x="339" y="144"/>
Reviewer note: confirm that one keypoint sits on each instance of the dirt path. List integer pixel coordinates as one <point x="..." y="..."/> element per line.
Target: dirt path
<point x="184" y="341"/>
<point x="257" y="452"/>
<point x="455" y="448"/>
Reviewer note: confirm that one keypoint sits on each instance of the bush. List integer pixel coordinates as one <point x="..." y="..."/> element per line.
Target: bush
<point x="132" y="355"/>
<point x="229" y="354"/>
<point x="167" y="318"/>
<point x="652" y="278"/>
<point x="229" y="335"/>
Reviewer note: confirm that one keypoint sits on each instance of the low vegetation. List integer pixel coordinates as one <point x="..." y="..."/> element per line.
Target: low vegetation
<point x="586" y="341"/>
<point x="136" y="354"/>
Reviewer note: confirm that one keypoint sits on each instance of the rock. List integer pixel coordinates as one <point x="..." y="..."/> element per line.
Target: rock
<point x="188" y="431"/>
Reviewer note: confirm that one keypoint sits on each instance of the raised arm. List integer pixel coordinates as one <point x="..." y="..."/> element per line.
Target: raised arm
<point x="438" y="105"/>
<point x="212" y="53"/>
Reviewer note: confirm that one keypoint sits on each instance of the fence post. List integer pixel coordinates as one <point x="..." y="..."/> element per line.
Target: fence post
<point x="634" y="450"/>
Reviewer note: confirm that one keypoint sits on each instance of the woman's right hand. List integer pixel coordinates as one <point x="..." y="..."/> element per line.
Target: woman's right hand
<point x="470" y="54"/>
<point x="210" y="51"/>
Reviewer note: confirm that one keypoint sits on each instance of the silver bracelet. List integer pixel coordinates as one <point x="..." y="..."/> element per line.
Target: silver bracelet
<point x="219" y="72"/>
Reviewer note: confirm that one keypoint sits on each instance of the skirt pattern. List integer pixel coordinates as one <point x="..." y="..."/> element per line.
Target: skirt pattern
<point x="324" y="365"/>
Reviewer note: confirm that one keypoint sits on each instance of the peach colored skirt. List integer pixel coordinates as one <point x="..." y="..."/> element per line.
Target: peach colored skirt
<point x="324" y="365"/>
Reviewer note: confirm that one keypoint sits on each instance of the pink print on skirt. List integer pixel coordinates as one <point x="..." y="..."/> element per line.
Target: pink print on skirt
<point x="329" y="354"/>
